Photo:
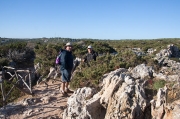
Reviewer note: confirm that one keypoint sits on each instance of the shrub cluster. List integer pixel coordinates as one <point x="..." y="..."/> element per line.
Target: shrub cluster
<point x="46" y="52"/>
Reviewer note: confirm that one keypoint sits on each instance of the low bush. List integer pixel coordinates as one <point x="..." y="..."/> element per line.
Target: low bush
<point x="159" y="84"/>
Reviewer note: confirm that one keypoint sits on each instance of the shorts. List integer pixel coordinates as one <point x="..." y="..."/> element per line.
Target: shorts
<point x="65" y="75"/>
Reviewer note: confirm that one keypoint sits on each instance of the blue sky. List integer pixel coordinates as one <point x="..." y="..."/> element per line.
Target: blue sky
<point x="96" y="19"/>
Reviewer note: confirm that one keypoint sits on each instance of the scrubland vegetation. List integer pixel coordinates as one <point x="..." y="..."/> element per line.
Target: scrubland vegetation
<point x="113" y="54"/>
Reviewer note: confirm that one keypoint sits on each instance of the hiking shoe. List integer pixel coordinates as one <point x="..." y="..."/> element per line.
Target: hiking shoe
<point x="68" y="91"/>
<point x="63" y="92"/>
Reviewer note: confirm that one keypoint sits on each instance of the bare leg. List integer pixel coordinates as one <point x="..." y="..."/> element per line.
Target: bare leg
<point x="66" y="85"/>
<point x="63" y="86"/>
<point x="67" y="88"/>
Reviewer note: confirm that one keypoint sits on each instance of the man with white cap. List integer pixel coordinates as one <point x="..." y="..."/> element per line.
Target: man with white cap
<point x="91" y="55"/>
<point x="66" y="67"/>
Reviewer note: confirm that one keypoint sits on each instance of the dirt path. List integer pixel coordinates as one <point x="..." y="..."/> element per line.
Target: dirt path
<point x="47" y="103"/>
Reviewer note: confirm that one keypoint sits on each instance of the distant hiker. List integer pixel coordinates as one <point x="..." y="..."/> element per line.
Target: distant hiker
<point x="66" y="67"/>
<point x="91" y="55"/>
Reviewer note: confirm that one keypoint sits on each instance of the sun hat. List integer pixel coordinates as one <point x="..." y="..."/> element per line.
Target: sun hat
<point x="69" y="44"/>
<point x="89" y="47"/>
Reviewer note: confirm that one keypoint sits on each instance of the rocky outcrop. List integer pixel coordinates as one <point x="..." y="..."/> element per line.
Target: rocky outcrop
<point x="141" y="71"/>
<point x="163" y="56"/>
<point x="83" y="105"/>
<point x="121" y="96"/>
<point x="161" y="110"/>
<point x="171" y="51"/>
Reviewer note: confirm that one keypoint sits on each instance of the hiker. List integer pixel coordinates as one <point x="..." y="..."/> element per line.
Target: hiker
<point x="66" y="67"/>
<point x="91" y="55"/>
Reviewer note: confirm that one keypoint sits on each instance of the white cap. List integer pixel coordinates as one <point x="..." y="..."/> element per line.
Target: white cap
<point x="69" y="44"/>
<point x="89" y="47"/>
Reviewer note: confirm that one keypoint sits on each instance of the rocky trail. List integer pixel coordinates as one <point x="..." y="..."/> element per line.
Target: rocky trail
<point x="46" y="103"/>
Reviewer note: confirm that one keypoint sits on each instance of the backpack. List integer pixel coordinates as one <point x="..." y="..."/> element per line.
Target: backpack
<point x="58" y="58"/>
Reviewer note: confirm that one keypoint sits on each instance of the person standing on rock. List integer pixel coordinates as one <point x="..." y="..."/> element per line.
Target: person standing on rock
<point x="66" y="67"/>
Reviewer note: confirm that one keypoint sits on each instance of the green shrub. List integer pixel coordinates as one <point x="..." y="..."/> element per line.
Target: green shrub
<point x="4" y="61"/>
<point x="159" y="84"/>
<point x="15" y="93"/>
<point x="90" y="76"/>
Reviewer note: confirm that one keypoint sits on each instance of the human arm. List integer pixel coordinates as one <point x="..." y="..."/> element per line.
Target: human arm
<point x="84" y="58"/>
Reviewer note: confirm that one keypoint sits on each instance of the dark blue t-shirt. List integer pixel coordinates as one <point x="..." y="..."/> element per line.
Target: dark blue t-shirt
<point x="66" y="60"/>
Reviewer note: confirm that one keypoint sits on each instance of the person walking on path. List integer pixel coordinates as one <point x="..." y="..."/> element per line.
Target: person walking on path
<point x="66" y="67"/>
